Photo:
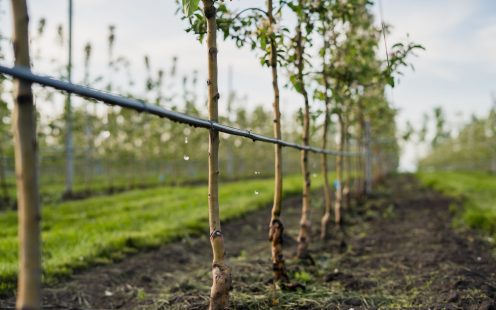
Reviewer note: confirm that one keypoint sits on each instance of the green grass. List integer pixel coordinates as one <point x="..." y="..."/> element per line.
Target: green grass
<point x="52" y="190"/>
<point x="81" y="233"/>
<point x="476" y="190"/>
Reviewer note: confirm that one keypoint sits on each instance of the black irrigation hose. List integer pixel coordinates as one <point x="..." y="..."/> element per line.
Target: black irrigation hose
<point x="140" y="106"/>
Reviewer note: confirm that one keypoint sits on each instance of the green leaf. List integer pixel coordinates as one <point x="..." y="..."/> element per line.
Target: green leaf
<point x="296" y="83"/>
<point x="263" y="42"/>
<point x="190" y="6"/>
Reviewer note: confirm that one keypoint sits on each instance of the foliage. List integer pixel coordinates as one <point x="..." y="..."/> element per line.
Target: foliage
<point x="470" y="149"/>
<point x="190" y="6"/>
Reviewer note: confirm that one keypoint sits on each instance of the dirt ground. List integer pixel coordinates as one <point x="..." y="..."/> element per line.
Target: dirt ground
<point x="397" y="250"/>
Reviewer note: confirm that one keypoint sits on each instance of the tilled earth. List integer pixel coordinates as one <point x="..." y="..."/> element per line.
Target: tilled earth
<point x="397" y="250"/>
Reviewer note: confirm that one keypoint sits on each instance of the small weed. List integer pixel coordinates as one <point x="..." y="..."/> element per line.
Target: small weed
<point x="303" y="276"/>
<point x="140" y="294"/>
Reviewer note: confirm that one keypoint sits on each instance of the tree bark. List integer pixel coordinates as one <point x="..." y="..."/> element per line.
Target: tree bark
<point x="276" y="227"/>
<point x="325" y="171"/>
<point x="26" y="162"/>
<point x="221" y="284"/>
<point x="305" y="225"/>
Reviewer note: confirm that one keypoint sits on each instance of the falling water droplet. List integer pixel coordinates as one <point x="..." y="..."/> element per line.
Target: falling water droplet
<point x="186" y="140"/>
<point x="186" y="157"/>
<point x="257" y="193"/>
<point x="257" y="172"/>
<point x="314" y="175"/>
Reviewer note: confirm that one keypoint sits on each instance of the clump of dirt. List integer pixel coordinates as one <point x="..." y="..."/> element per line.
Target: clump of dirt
<point x="397" y="250"/>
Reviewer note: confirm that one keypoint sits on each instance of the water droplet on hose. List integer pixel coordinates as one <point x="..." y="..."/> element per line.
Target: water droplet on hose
<point x="186" y="140"/>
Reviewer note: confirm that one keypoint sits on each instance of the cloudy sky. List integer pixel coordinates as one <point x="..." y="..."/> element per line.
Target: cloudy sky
<point x="457" y="71"/>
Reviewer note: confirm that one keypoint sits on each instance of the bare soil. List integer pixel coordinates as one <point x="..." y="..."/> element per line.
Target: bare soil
<point x="397" y="250"/>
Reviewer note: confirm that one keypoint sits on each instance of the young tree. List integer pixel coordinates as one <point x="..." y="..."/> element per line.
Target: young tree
<point x="219" y="295"/>
<point x="26" y="159"/>
<point x="302" y="37"/>
<point x="276" y="227"/>
<point x="359" y="78"/>
<point x="260" y="31"/>
<point x="339" y="76"/>
<point x="326" y="31"/>
<point x="339" y="167"/>
<point x="441" y="134"/>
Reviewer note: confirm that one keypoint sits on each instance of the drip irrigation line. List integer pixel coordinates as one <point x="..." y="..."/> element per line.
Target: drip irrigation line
<point x="140" y="106"/>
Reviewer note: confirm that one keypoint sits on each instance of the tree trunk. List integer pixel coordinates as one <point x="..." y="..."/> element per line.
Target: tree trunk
<point x="360" y="157"/>
<point x="354" y="169"/>
<point x="305" y="228"/>
<point x="339" y="173"/>
<point x="361" y="168"/>
<point x="327" y="188"/>
<point x="276" y="228"/>
<point x="25" y="149"/>
<point x="325" y="171"/>
<point x="221" y="284"/>
<point x="88" y="130"/>
<point x="368" y="160"/>
<point x="3" y="180"/>
<point x="347" y="168"/>
<point x="358" y="177"/>
<point x="69" y="149"/>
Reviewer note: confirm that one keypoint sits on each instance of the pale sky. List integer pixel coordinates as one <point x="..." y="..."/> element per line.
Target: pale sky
<point x="457" y="71"/>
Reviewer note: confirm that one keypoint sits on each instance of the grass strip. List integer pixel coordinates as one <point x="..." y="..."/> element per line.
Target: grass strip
<point x="476" y="190"/>
<point x="78" y="234"/>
